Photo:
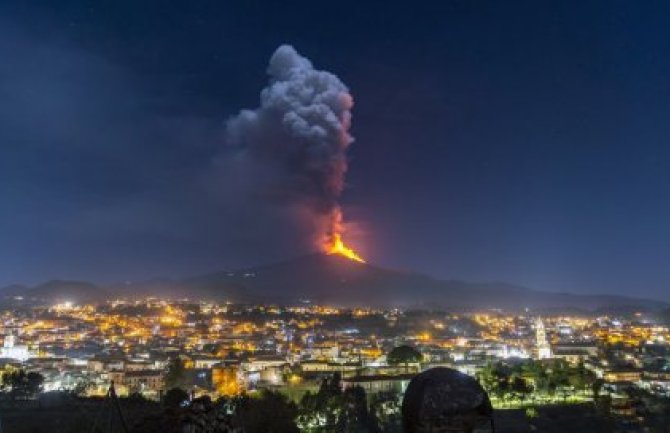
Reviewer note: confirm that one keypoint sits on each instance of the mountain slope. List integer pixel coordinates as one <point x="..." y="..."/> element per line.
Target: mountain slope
<point x="58" y="291"/>
<point x="338" y="281"/>
<point x="335" y="280"/>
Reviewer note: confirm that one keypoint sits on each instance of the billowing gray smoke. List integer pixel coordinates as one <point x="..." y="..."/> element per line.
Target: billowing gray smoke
<point x="297" y="139"/>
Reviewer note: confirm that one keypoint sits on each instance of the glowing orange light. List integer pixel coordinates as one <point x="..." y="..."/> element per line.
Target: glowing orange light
<point x="337" y="246"/>
<point x="333" y="243"/>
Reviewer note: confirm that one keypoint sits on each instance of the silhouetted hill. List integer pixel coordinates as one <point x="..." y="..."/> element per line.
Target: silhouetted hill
<point x="665" y="316"/>
<point x="13" y="290"/>
<point x="58" y="291"/>
<point x="338" y="281"/>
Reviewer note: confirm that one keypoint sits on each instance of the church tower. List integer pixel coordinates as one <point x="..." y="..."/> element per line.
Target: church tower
<point x="541" y="344"/>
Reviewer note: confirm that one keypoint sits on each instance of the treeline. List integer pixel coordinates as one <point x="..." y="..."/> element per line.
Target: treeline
<point x="21" y="385"/>
<point x="333" y="409"/>
<point x="529" y="379"/>
<point x="329" y="410"/>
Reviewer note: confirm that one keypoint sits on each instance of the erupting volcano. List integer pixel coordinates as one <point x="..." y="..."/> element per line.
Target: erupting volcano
<point x="296" y="144"/>
<point x="335" y="245"/>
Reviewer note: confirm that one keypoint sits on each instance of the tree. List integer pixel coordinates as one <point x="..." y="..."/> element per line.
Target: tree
<point x="580" y="378"/>
<point x="520" y="387"/>
<point x="559" y="377"/>
<point x="271" y="412"/>
<point x="354" y="416"/>
<point x="403" y="355"/>
<point x="332" y="410"/>
<point x="496" y="379"/>
<point x="320" y="411"/>
<point x="385" y="408"/>
<point x="487" y="377"/>
<point x="176" y="374"/>
<point x="597" y="387"/>
<point x="22" y="385"/>
<point x="332" y="387"/>
<point x="174" y="398"/>
<point x="81" y="388"/>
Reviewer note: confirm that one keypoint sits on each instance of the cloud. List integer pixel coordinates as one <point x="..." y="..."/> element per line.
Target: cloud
<point x="293" y="146"/>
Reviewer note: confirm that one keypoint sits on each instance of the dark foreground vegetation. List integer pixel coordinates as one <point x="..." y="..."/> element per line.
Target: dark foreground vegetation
<point x="329" y="410"/>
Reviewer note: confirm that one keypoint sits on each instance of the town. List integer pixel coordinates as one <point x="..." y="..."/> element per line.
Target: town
<point x="151" y="346"/>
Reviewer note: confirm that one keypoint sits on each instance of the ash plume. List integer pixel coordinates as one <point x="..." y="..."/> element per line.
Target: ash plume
<point x="294" y="144"/>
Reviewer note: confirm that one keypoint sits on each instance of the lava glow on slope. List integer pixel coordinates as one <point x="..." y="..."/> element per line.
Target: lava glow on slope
<point x="337" y="246"/>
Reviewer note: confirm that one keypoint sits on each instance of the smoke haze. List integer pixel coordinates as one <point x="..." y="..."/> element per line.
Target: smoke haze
<point x="143" y="190"/>
<point x="295" y="142"/>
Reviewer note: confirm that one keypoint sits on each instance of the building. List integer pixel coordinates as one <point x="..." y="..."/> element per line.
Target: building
<point x="227" y="379"/>
<point x="347" y="368"/>
<point x="147" y="382"/>
<point x="11" y="350"/>
<point x="379" y="383"/>
<point x="622" y="375"/>
<point x="575" y="352"/>
<point x="99" y="364"/>
<point x="541" y="344"/>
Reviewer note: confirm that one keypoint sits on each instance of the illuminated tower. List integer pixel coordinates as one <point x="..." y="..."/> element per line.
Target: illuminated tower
<point x="12" y="350"/>
<point x="541" y="343"/>
<point x="10" y="341"/>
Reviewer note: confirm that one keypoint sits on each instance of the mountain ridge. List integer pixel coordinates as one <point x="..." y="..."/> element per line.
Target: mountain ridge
<point x="335" y="280"/>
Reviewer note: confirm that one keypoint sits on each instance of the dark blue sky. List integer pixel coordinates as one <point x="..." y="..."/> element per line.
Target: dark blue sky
<point x="518" y="141"/>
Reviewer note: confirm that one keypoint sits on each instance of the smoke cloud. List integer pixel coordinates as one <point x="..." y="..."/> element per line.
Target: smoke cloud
<point x="294" y="144"/>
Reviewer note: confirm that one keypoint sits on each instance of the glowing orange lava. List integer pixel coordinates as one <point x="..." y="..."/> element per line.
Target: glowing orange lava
<point x="336" y="246"/>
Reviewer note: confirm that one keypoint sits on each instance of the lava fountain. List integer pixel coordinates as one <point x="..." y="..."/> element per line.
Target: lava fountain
<point x="337" y="246"/>
<point x="333" y="243"/>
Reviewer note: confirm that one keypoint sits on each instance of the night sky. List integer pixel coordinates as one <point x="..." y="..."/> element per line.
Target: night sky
<point x="525" y="142"/>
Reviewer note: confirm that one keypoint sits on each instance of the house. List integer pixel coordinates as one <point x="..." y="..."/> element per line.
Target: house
<point x="379" y="383"/>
